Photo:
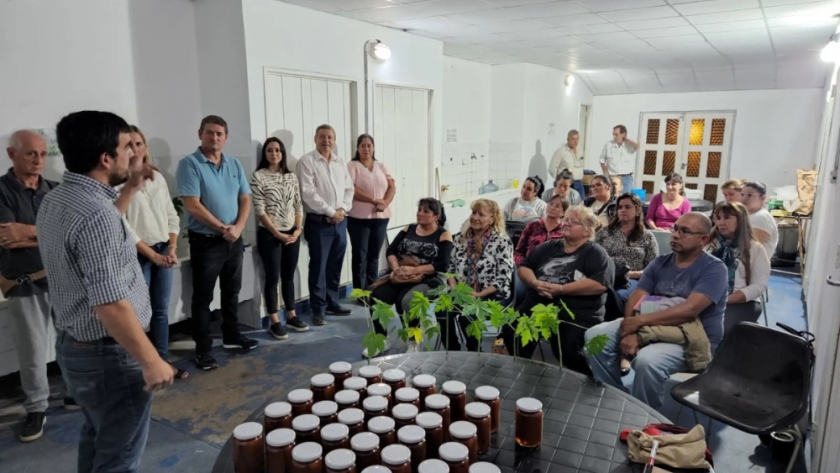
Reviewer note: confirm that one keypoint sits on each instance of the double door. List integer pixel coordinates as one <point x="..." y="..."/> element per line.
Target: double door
<point x="696" y="145"/>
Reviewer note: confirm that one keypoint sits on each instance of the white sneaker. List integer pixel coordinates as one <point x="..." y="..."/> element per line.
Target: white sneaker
<point x="387" y="347"/>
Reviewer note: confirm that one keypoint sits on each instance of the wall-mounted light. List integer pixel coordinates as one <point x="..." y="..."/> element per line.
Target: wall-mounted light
<point x="831" y="51"/>
<point x="379" y="50"/>
<point x="570" y="80"/>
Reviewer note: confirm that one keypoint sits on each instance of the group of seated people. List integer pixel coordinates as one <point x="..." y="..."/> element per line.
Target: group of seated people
<point x="610" y="275"/>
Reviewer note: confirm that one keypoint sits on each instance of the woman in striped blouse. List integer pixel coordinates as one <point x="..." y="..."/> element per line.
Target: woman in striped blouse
<point x="278" y="207"/>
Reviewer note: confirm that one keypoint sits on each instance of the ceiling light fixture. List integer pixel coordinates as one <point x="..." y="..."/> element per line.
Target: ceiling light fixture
<point x="831" y="51"/>
<point x="570" y="80"/>
<point x="379" y="50"/>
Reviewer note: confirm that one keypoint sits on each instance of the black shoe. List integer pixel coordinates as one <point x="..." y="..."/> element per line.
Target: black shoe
<point x="277" y="331"/>
<point x="206" y="362"/>
<point x="319" y="319"/>
<point x="338" y="310"/>
<point x="33" y="426"/>
<point x="70" y="404"/>
<point x="241" y="342"/>
<point x="296" y="324"/>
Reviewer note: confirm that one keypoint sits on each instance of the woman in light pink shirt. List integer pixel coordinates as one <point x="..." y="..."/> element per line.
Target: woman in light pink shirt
<point x="368" y="218"/>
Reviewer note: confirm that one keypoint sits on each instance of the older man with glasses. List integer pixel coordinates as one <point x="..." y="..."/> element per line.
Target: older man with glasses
<point x="697" y="283"/>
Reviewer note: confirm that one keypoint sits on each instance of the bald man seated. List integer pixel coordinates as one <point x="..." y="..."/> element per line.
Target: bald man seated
<point x="689" y="273"/>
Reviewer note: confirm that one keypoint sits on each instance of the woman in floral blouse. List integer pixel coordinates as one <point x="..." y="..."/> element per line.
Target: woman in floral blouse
<point x="538" y="232"/>
<point x="482" y="258"/>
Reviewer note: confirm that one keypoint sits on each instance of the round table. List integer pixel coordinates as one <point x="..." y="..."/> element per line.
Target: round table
<point x="582" y="418"/>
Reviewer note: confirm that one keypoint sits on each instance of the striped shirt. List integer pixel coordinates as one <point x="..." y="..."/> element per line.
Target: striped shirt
<point x="277" y="195"/>
<point x="89" y="255"/>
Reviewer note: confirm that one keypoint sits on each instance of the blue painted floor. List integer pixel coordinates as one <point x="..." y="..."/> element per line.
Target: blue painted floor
<point x="192" y="419"/>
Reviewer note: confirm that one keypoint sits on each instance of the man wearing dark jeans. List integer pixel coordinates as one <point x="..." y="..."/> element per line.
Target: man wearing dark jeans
<point x="99" y="297"/>
<point x="217" y="199"/>
<point x="327" y="193"/>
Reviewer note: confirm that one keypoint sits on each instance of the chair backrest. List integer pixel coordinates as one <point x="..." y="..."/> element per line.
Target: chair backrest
<point x="663" y="241"/>
<point x="514" y="230"/>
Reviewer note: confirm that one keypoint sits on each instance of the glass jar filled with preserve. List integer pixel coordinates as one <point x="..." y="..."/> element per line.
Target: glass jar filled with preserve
<point x="528" y="422"/>
<point x="248" y="448"/>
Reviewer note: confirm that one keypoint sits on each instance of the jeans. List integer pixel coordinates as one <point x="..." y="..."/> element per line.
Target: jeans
<point x="212" y="257"/>
<point x="653" y="364"/>
<point x="327" y="243"/>
<point x="577" y="185"/>
<point x="626" y="183"/>
<point x="366" y="238"/>
<point x="279" y="263"/>
<point x="519" y="289"/>
<point x="108" y="384"/>
<point x="159" y="281"/>
<point x="29" y="323"/>
<point x="400" y="295"/>
<point x="624" y="294"/>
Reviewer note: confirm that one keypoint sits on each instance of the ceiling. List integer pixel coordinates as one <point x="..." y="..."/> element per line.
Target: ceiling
<point x="625" y="46"/>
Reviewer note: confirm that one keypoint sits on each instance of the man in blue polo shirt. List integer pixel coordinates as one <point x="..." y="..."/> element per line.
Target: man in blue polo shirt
<point x="217" y="199"/>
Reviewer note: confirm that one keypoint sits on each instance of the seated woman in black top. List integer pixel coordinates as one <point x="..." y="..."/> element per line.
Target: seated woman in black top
<point x="429" y="244"/>
<point x="575" y="270"/>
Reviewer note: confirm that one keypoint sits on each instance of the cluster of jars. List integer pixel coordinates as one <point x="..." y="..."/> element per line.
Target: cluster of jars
<point x="378" y="424"/>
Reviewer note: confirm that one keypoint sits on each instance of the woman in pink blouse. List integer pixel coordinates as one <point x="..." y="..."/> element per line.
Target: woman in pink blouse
<point x="665" y="208"/>
<point x="368" y="218"/>
<point x="538" y="232"/>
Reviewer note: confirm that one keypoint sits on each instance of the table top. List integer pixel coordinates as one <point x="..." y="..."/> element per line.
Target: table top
<point x="581" y="424"/>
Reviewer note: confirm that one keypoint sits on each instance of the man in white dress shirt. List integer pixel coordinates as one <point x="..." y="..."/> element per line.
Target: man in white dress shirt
<point x="327" y="193"/>
<point x="569" y="156"/>
<point x="618" y="157"/>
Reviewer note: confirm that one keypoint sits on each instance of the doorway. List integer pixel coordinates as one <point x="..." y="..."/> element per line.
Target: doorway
<point x="696" y="145"/>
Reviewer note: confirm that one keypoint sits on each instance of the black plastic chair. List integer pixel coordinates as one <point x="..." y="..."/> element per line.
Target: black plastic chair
<point x="759" y="381"/>
<point x="514" y="230"/>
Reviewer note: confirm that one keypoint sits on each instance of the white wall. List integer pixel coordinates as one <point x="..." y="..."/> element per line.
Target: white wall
<point x="775" y="130"/>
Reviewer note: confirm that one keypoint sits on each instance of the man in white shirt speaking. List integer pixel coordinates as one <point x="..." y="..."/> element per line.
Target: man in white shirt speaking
<point x="618" y="158"/>
<point x="326" y="189"/>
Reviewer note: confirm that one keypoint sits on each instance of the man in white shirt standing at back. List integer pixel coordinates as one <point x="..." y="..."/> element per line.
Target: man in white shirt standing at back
<point x="569" y="156"/>
<point x="327" y="193"/>
<point x="618" y="157"/>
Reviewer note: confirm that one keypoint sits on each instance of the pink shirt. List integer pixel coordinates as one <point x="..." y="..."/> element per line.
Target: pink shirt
<point x="373" y="183"/>
<point x="662" y="217"/>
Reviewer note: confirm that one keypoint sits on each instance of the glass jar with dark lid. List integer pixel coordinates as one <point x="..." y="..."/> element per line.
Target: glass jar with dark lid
<point x="484" y="467"/>
<point x="375" y="406"/>
<point x="414" y="438"/>
<point x="322" y="387"/>
<point x="384" y="427"/>
<point x="278" y="450"/>
<point x="372" y="374"/>
<point x="394" y="378"/>
<point x="433" y="465"/>
<point x="528" y="422"/>
<point x="342" y="460"/>
<point x="478" y="413"/>
<point x="335" y="436"/>
<point x="438" y="403"/>
<point x="490" y="396"/>
<point x="327" y="411"/>
<point x="341" y="370"/>
<point x="358" y="384"/>
<point x="347" y="398"/>
<point x="248" y="448"/>
<point x="307" y="428"/>
<point x="404" y="414"/>
<point x="301" y="401"/>
<point x="354" y="419"/>
<point x="407" y="396"/>
<point x="397" y="458"/>
<point x="456" y="456"/>
<point x="465" y="432"/>
<point x="307" y="458"/>
<point x="456" y="391"/>
<point x="366" y="447"/>
<point x="425" y="385"/>
<point x="277" y="415"/>
<point x="432" y="423"/>
<point x="381" y="389"/>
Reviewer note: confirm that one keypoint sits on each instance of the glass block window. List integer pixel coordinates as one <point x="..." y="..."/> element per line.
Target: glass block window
<point x="713" y="165"/>
<point x="710" y="192"/>
<point x="696" y="136"/>
<point x="718" y="126"/>
<point x="692" y="185"/>
<point x="648" y="187"/>
<point x="653" y="131"/>
<point x="693" y="165"/>
<point x="672" y="129"/>
<point x="669" y="160"/>
<point x="650" y="162"/>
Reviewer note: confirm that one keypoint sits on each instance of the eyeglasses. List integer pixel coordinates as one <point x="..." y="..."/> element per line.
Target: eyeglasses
<point x="684" y="231"/>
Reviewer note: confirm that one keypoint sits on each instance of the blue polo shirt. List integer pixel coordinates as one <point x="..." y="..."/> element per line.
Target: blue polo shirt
<point x="218" y="188"/>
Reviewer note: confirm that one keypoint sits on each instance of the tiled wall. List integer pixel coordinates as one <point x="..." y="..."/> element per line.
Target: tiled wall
<point x="505" y="163"/>
<point x="463" y="174"/>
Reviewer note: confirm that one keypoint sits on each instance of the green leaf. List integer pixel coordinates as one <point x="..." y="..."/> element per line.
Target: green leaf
<point x="403" y="334"/>
<point x="444" y="304"/>
<point x="525" y="330"/>
<point x="596" y="345"/>
<point x="566" y="308"/>
<point x="382" y="312"/>
<point x="462" y="294"/>
<point x="359" y="294"/>
<point x="438" y="291"/>
<point x="415" y="333"/>
<point x="475" y="329"/>
<point x="375" y="344"/>
<point x="432" y="331"/>
<point x="545" y="319"/>
<point x="419" y="306"/>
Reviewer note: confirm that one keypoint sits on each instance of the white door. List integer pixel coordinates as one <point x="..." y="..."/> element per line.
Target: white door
<point x="694" y="144"/>
<point x="583" y="129"/>
<point x="294" y="107"/>
<point x="401" y="132"/>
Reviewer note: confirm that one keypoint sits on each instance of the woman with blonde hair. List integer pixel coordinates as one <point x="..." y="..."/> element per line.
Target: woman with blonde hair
<point x="733" y="242"/>
<point x="482" y="257"/>
<point x="575" y="271"/>
<point x="731" y="190"/>
<point x="155" y="225"/>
